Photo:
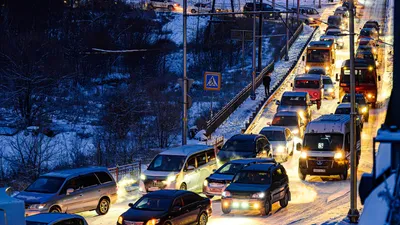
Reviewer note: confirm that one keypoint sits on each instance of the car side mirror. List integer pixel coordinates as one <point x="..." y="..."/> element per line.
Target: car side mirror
<point x="130" y="205"/>
<point x="190" y="168"/>
<point x="337" y="77"/>
<point x="70" y="191"/>
<point x="369" y="103"/>
<point x="214" y="170"/>
<point x="310" y="104"/>
<point x="338" y="103"/>
<point x="334" y="83"/>
<point x="379" y="78"/>
<point x="291" y="85"/>
<point x="176" y="209"/>
<point x="299" y="147"/>
<point x="303" y="58"/>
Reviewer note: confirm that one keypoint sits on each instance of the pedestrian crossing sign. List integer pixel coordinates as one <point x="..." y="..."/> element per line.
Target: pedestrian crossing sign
<point x="212" y="81"/>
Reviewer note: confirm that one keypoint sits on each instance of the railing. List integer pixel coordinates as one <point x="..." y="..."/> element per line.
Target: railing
<point x="296" y="34"/>
<point x="129" y="171"/>
<point x="232" y="105"/>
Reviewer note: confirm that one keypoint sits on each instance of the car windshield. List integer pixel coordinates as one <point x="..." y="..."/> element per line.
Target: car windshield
<point x="317" y="71"/>
<point x="363" y="76"/>
<point x="252" y="177"/>
<point x="313" y="84"/>
<point x="327" y="81"/>
<point x="334" y="21"/>
<point x="273" y="135"/>
<point x="239" y="146"/>
<point x="323" y="142"/>
<point x="230" y="168"/>
<point x="312" y="12"/>
<point x="168" y="163"/>
<point x="46" y="185"/>
<point x="293" y="101"/>
<point x="365" y="55"/>
<point x="365" y="32"/>
<point x="345" y="111"/>
<point x="284" y="121"/>
<point x="359" y="99"/>
<point x="318" y="55"/>
<point x="153" y="203"/>
<point x="333" y="32"/>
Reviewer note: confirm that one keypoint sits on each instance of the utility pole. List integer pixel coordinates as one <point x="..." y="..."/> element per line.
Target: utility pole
<point x="298" y="12"/>
<point x="253" y="80"/>
<point x="185" y="82"/>
<point x="273" y="4"/>
<point x="353" y="213"/>
<point x="260" y="28"/>
<point x="319" y="4"/>
<point x="287" y="31"/>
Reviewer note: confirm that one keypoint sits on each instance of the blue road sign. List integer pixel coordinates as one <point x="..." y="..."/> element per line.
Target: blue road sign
<point x="212" y="81"/>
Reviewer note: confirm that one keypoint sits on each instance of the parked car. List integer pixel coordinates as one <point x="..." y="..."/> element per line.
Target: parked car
<point x="291" y="120"/>
<point x="55" y="219"/>
<point x="203" y="8"/>
<point x="345" y="109"/>
<point x="245" y="146"/>
<point x="220" y="179"/>
<point x="183" y="168"/>
<point x="310" y="16"/>
<point x="168" y="207"/>
<point x="282" y="141"/>
<point x="274" y="13"/>
<point x="163" y="4"/>
<point x="257" y="187"/>
<point x="329" y="87"/>
<point x="296" y="101"/>
<point x="71" y="191"/>
<point x="361" y="102"/>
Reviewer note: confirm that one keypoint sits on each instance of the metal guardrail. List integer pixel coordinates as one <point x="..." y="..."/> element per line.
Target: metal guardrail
<point x="129" y="171"/>
<point x="232" y="105"/>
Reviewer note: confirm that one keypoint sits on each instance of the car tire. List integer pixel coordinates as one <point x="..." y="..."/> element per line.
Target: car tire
<point x="267" y="208"/>
<point x="55" y="209"/>
<point x="226" y="210"/>
<point x="284" y="201"/>
<point x="103" y="206"/>
<point x="203" y="219"/>
<point x="193" y="11"/>
<point x="210" y="196"/>
<point x="183" y="187"/>
<point x="344" y="175"/>
<point x="170" y="8"/>
<point x="302" y="176"/>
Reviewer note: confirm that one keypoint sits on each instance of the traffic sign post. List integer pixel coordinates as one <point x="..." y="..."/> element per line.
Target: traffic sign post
<point x="212" y="82"/>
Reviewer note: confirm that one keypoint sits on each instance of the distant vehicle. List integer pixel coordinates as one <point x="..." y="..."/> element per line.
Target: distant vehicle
<point x="369" y="33"/>
<point x="345" y="109"/>
<point x="163" y="4"/>
<point x="373" y="24"/>
<point x="291" y="120"/>
<point x="257" y="187"/>
<point x="312" y="84"/>
<point x="220" y="179"/>
<point x="329" y="87"/>
<point x="335" y="35"/>
<point x="185" y="168"/>
<point x="274" y="13"/>
<point x="317" y="70"/>
<point x="245" y="146"/>
<point x="338" y="22"/>
<point x="296" y="101"/>
<point x="326" y="147"/>
<point x="55" y="219"/>
<point x="362" y="103"/>
<point x="203" y="8"/>
<point x="72" y="191"/>
<point x="342" y="12"/>
<point x="322" y="54"/>
<point x="282" y="141"/>
<point x="367" y="50"/>
<point x="167" y="207"/>
<point x="308" y="15"/>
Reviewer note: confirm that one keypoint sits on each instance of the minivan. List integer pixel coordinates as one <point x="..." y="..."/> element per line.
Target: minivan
<point x="70" y="191"/>
<point x="185" y="168"/>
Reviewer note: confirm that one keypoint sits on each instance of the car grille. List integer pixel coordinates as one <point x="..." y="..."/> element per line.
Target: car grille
<point x="241" y="195"/>
<point x="320" y="162"/>
<point x="154" y="183"/>
<point x="218" y="181"/>
<point x="127" y="222"/>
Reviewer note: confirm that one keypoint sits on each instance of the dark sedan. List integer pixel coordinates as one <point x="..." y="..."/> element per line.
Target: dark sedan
<point x="257" y="187"/>
<point x="362" y="103"/>
<point x="168" y="207"/>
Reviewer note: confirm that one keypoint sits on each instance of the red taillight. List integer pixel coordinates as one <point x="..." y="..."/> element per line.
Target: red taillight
<point x="315" y="93"/>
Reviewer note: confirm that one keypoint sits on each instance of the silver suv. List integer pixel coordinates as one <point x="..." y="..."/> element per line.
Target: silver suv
<point x="71" y="191"/>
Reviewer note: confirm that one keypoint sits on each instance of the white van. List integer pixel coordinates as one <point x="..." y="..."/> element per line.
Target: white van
<point x="184" y="168"/>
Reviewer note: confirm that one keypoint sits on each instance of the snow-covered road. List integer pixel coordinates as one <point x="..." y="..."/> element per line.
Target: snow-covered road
<point x="318" y="200"/>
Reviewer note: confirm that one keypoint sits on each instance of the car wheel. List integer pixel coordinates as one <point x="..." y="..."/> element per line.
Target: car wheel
<point x="183" y="187"/>
<point x="284" y="201"/>
<point x="103" y="206"/>
<point x="55" y="209"/>
<point x="203" y="219"/>
<point x="210" y="196"/>
<point x="344" y="175"/>
<point x="226" y="210"/>
<point x="193" y="11"/>
<point x="170" y="8"/>
<point x="302" y="176"/>
<point x="267" y="208"/>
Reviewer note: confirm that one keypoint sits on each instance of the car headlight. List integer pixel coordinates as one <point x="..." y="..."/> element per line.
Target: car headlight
<point x="311" y="19"/>
<point x="280" y="149"/>
<point x="120" y="220"/>
<point x="340" y="40"/>
<point x="295" y="131"/>
<point x="226" y="194"/>
<point x="374" y="51"/>
<point x="307" y="68"/>
<point x="301" y="114"/>
<point x="364" y="110"/>
<point x="338" y="155"/>
<point x="205" y="183"/>
<point x="153" y="222"/>
<point x="327" y="68"/>
<point x="171" y="178"/>
<point x="37" y="206"/>
<point x="303" y="155"/>
<point x="258" y="195"/>
<point x="330" y="90"/>
<point x="142" y="177"/>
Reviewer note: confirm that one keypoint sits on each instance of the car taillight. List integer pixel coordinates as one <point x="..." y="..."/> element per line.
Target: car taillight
<point x="315" y="93"/>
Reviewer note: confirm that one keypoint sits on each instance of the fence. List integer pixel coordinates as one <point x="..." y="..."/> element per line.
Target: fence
<point x="129" y="171"/>
<point x="232" y="105"/>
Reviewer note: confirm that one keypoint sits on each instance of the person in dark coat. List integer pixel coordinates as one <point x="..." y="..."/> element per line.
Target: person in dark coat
<point x="266" y="83"/>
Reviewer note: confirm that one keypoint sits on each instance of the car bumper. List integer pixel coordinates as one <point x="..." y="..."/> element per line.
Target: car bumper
<point x="215" y="191"/>
<point x="328" y="94"/>
<point x="242" y="204"/>
<point x="335" y="167"/>
<point x="113" y="198"/>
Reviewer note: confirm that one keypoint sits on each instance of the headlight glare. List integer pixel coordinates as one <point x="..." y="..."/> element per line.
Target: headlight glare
<point x="153" y="222"/>
<point x="205" y="183"/>
<point x="330" y="90"/>
<point x="307" y="68"/>
<point x="120" y="220"/>
<point x="142" y="177"/>
<point x="295" y="131"/>
<point x="258" y="195"/>
<point x="327" y="68"/>
<point x="338" y="155"/>
<point x="171" y="178"/>
<point x="303" y="155"/>
<point x="364" y="110"/>
<point x="37" y="206"/>
<point x="226" y="194"/>
<point x="280" y="149"/>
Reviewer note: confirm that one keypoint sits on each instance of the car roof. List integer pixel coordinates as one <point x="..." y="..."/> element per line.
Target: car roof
<point x="357" y="95"/>
<point x="345" y="105"/>
<point x="168" y="193"/>
<point x="51" y="217"/>
<point x="295" y="93"/>
<point x="326" y="77"/>
<point x="359" y="63"/>
<point x="185" y="150"/>
<point x="333" y="29"/>
<point x="274" y="128"/>
<point x="320" y="44"/>
<point x="308" y="77"/>
<point x="317" y="68"/>
<point x="286" y="113"/>
<point x="259" y="167"/>
<point x="75" y="172"/>
<point x="245" y="137"/>
<point x="253" y="160"/>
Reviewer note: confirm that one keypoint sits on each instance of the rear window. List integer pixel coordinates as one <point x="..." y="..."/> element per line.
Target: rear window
<point x="313" y="84"/>
<point x="327" y="81"/>
<point x="103" y="177"/>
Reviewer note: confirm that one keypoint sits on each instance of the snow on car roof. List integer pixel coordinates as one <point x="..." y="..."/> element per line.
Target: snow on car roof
<point x="274" y="128"/>
<point x="51" y="217"/>
<point x="185" y="150"/>
<point x="286" y="113"/>
<point x="77" y="171"/>
<point x="308" y="77"/>
<point x="295" y="93"/>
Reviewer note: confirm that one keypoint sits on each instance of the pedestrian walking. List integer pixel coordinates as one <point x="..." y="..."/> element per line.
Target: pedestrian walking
<point x="266" y="83"/>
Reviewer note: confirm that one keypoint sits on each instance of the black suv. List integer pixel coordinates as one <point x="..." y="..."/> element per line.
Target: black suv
<point x="257" y="187"/>
<point x="245" y="146"/>
<point x="362" y="103"/>
<point x="249" y="7"/>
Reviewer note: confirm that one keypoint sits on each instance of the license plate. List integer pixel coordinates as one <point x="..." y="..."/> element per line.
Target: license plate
<point x="216" y="185"/>
<point x="154" y="188"/>
<point x="319" y="170"/>
<point x="215" y="190"/>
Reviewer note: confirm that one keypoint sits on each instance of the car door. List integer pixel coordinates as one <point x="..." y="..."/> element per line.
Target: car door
<point x="280" y="178"/>
<point x="72" y="221"/>
<point x="191" y="207"/>
<point x="90" y="192"/>
<point x="177" y="216"/>
<point x="191" y="177"/>
<point x="259" y="151"/>
<point x="275" y="186"/>
<point x="289" y="141"/>
<point x="202" y="169"/>
<point x="72" y="202"/>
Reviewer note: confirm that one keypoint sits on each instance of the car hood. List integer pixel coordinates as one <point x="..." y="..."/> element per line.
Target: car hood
<point x="34" y="197"/>
<point x="141" y="215"/>
<point x="222" y="177"/>
<point x="330" y="37"/>
<point x="275" y="144"/>
<point x="225" y="156"/>
<point x="159" y="175"/>
<point x="292" y="108"/>
<point x="249" y="188"/>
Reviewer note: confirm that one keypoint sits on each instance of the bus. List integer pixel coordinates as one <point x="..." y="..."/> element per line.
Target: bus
<point x="366" y="76"/>
<point x="321" y="54"/>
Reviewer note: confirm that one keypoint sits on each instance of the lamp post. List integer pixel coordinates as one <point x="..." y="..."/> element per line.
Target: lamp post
<point x="185" y="83"/>
<point x="253" y="74"/>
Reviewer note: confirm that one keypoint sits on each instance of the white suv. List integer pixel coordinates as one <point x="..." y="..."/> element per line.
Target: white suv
<point x="184" y="168"/>
<point x="165" y="4"/>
